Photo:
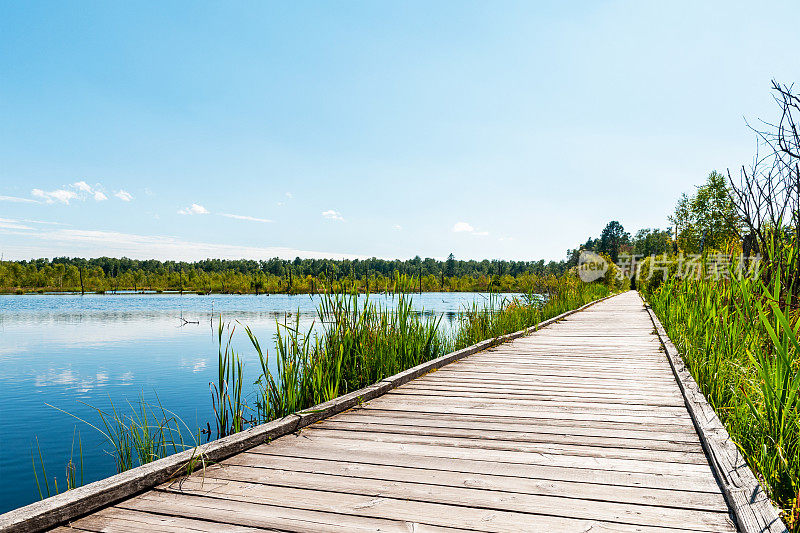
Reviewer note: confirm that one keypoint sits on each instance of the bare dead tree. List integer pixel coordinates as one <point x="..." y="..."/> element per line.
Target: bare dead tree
<point x="767" y="194"/>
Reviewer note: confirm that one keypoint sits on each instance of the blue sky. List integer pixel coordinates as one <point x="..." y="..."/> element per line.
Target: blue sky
<point x="390" y="129"/>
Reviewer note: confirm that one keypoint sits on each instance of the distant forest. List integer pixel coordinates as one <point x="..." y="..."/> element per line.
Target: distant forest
<point x="106" y="274"/>
<point x="275" y="275"/>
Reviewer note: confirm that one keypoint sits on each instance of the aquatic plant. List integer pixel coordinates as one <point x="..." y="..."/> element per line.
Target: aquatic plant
<point x="738" y="336"/>
<point x="226" y="394"/>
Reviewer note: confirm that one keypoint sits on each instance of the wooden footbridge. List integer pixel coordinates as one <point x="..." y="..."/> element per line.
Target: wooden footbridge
<point x="588" y="424"/>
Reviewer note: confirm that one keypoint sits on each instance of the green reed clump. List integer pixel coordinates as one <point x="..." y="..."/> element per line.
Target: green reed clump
<point x="147" y="433"/>
<point x="739" y="339"/>
<point x="226" y="394"/>
<point x="500" y="316"/>
<point x="360" y="344"/>
<point x="71" y="471"/>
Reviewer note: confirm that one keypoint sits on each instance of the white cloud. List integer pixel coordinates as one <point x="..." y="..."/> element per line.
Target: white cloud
<point x="82" y="186"/>
<point x="44" y="222"/>
<point x="124" y="195"/>
<point x="7" y="223"/>
<point x="59" y="195"/>
<point x="332" y="215"/>
<point x="80" y="190"/>
<point x="465" y="227"/>
<point x="245" y="217"/>
<point x="17" y="200"/>
<point x="289" y="195"/>
<point x="195" y="209"/>
<point x="87" y="190"/>
<point x="397" y="227"/>
<point x="94" y="243"/>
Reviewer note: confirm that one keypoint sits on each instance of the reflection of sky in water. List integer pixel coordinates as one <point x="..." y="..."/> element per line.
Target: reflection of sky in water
<point x="76" y="352"/>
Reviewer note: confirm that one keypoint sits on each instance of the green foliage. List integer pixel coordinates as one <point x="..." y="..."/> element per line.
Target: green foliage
<point x="649" y="242"/>
<point x="708" y="219"/>
<point x="361" y="344"/>
<point x="226" y="393"/>
<point x="612" y="238"/>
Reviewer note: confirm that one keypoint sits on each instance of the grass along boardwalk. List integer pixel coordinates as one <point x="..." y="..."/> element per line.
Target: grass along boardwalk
<point x="580" y="426"/>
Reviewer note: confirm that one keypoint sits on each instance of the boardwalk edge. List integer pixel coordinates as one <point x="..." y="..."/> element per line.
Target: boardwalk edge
<point x="749" y="504"/>
<point x="75" y="503"/>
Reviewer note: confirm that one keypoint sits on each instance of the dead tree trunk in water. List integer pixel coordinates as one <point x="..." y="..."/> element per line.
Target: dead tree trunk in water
<point x="80" y="273"/>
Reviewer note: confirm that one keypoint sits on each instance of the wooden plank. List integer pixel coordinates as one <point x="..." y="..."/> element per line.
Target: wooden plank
<point x="498" y="480"/>
<point x="574" y="450"/>
<point x="486" y="408"/>
<point x="464" y="509"/>
<point x="531" y="422"/>
<point x="504" y="435"/>
<point x="238" y="480"/>
<point x="121" y="520"/>
<point x="476" y="425"/>
<point x="539" y="400"/>
<point x="674" y="481"/>
<point x="512" y="457"/>
<point x="267" y="516"/>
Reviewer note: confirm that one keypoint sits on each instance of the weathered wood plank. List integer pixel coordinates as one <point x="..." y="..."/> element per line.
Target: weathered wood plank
<point x="539" y="427"/>
<point x="483" y="433"/>
<point x="511" y="457"/>
<point x="499" y="480"/>
<point x="450" y="505"/>
<point x="674" y="481"/>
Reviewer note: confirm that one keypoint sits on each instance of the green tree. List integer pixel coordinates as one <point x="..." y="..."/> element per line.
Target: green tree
<point x="612" y="238"/>
<point x="651" y="242"/>
<point x="450" y="266"/>
<point x="708" y="219"/>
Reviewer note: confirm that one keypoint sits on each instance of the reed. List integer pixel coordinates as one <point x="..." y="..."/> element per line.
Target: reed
<point x="226" y="394"/>
<point x="498" y="316"/>
<point x="739" y="339"/>
<point x="359" y="344"/>
<point x="147" y="433"/>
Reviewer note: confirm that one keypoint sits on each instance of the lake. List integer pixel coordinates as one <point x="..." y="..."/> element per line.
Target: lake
<point x="77" y="352"/>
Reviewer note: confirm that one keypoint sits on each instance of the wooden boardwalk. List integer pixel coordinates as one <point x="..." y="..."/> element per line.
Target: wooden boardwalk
<point x="580" y="426"/>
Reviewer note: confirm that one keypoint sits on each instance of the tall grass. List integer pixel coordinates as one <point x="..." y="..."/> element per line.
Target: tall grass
<point x="145" y="433"/>
<point x="360" y="344"/>
<point x="226" y="394"/>
<point x="499" y="316"/>
<point x="739" y="339"/>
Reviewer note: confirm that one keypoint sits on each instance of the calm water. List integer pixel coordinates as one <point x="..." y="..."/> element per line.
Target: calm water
<point x="63" y="350"/>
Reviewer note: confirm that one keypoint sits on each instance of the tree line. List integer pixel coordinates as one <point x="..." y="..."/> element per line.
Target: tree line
<point x="275" y="275"/>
